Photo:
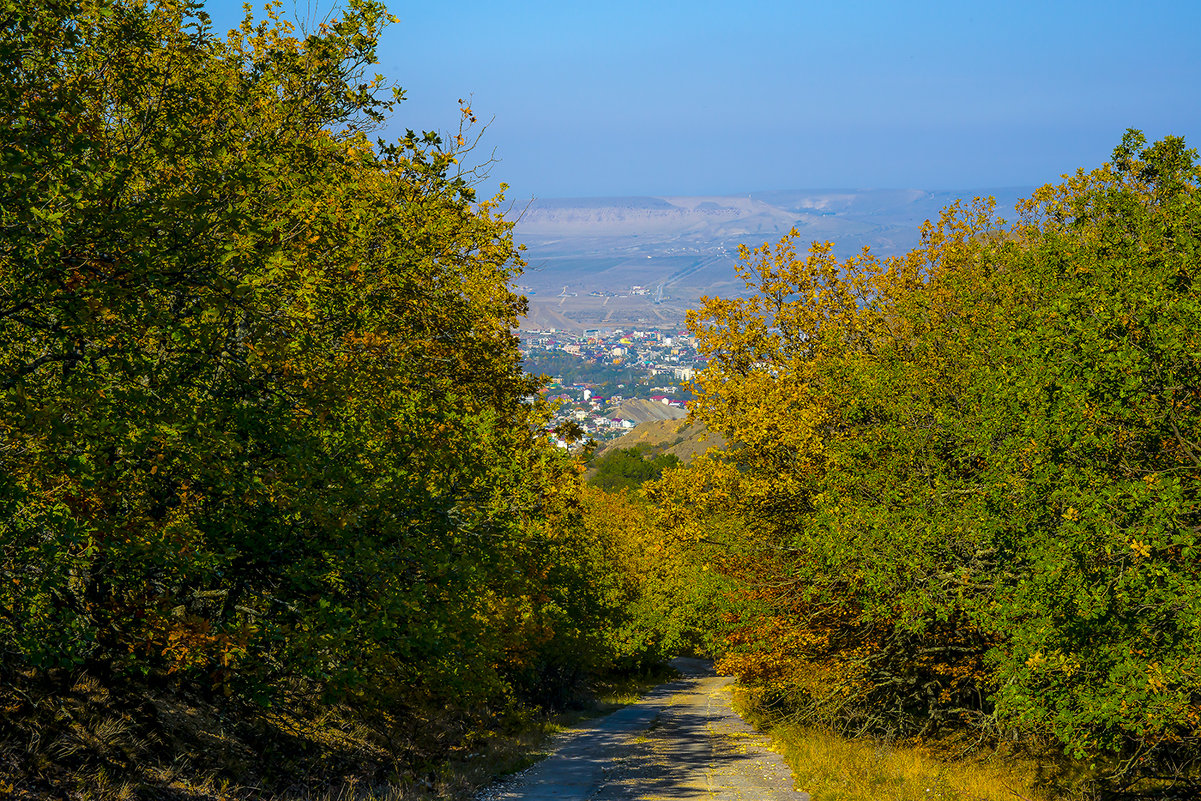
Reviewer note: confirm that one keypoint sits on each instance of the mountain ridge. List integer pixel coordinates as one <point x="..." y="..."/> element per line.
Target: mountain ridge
<point x="630" y="261"/>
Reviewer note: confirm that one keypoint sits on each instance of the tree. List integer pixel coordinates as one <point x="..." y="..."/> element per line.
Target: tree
<point x="663" y="599"/>
<point x="262" y="421"/>
<point x="962" y="488"/>
<point x="628" y="468"/>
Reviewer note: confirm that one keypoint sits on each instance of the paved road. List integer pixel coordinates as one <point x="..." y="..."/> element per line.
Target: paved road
<point x="680" y="742"/>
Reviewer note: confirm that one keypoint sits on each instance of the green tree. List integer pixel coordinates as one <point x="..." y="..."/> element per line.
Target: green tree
<point x="262" y="419"/>
<point x="629" y="468"/>
<point x="663" y="599"/>
<point x="962" y="486"/>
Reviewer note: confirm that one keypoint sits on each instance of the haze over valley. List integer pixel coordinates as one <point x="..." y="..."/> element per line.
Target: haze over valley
<point x="630" y="261"/>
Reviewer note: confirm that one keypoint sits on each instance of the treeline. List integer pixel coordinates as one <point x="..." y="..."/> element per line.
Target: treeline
<point x="962" y="489"/>
<point x="264" y="436"/>
<point x="629" y="468"/>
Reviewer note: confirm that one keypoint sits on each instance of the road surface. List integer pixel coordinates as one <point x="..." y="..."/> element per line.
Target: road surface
<point x="682" y="741"/>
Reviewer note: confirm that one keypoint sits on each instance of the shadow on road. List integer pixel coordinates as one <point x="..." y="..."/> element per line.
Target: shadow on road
<point x="678" y="757"/>
<point x="692" y="668"/>
<point x="682" y="740"/>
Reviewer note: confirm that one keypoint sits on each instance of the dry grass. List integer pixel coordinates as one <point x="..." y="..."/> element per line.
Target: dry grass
<point x="831" y="767"/>
<point x="678" y="437"/>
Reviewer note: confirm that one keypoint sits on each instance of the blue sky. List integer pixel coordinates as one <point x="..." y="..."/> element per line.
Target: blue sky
<point x="688" y="98"/>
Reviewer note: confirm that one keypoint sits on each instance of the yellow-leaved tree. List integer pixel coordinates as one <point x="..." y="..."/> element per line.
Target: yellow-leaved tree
<point x="961" y="487"/>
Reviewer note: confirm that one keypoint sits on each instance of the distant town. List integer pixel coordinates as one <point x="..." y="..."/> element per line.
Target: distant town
<point x="608" y="381"/>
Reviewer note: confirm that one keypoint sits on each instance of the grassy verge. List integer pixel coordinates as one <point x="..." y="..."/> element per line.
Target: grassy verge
<point x="831" y="767"/>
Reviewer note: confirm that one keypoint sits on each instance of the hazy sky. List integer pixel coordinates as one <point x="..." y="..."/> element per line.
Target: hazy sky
<point x="662" y="98"/>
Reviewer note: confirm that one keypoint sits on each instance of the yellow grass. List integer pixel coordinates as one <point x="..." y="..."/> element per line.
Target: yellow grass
<point x="831" y="767"/>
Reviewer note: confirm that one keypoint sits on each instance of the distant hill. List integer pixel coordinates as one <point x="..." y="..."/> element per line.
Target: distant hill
<point x="685" y="441"/>
<point x="644" y="411"/>
<point x="681" y="248"/>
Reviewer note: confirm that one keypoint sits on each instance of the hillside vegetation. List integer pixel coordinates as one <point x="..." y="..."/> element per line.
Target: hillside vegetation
<point x="274" y="510"/>
<point x="683" y="439"/>
<point x="279" y="514"/>
<point x="640" y="410"/>
<point x="962" y="486"/>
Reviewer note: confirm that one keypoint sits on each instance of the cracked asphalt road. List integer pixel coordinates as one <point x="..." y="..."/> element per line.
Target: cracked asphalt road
<point x="682" y="741"/>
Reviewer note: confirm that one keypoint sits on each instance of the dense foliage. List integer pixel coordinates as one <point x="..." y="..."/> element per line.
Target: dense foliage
<point x="664" y="599"/>
<point x="630" y="468"/>
<point x="964" y="482"/>
<point x="263" y="425"/>
<point x="265" y="433"/>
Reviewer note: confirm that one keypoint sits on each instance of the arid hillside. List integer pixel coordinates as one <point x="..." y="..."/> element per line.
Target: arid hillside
<point x="678" y="437"/>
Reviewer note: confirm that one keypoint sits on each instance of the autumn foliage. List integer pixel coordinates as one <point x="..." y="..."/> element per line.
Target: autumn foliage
<point x="265" y="435"/>
<point x="264" y="430"/>
<point x="963" y="483"/>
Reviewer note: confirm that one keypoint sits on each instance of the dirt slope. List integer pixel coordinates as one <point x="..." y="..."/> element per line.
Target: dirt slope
<point x="640" y="410"/>
<point x="678" y="437"/>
